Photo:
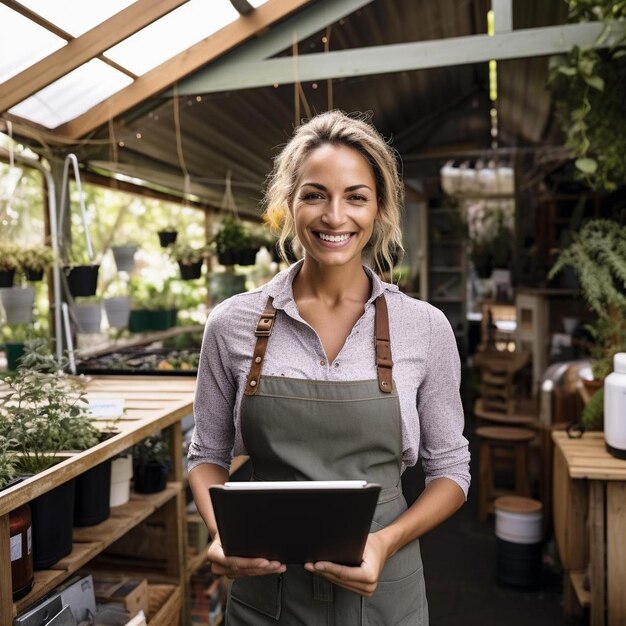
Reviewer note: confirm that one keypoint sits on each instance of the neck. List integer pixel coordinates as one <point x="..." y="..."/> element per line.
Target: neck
<point x="332" y="284"/>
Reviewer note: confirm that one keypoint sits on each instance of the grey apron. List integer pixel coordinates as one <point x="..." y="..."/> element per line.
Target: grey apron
<point x="297" y="429"/>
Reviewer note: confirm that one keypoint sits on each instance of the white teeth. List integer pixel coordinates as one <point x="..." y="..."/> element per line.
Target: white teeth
<point x="333" y="237"/>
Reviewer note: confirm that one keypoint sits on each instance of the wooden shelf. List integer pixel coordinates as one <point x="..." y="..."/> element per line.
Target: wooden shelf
<point x="89" y="541"/>
<point x="584" y="596"/>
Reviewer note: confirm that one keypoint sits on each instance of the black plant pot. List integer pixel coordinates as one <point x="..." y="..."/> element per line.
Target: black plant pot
<point x="228" y="257"/>
<point x="248" y="256"/>
<point x="6" y="278"/>
<point x="150" y="477"/>
<point x="53" y="516"/>
<point x="91" y="502"/>
<point x="190" y="271"/>
<point x="167" y="237"/>
<point x="82" y="280"/>
<point x="34" y="276"/>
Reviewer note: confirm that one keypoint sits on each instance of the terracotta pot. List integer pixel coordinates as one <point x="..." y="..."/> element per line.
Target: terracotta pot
<point x="591" y="386"/>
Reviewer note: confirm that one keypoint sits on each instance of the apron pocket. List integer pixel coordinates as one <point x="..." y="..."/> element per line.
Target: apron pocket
<point x="404" y="563"/>
<point x="259" y="593"/>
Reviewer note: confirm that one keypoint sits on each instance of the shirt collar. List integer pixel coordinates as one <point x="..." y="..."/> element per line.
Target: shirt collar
<point x="280" y="287"/>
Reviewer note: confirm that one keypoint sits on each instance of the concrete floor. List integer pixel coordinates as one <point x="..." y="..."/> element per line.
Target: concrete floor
<point x="459" y="563"/>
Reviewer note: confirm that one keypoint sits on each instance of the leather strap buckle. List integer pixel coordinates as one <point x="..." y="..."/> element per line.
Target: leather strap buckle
<point x="383" y="353"/>
<point x="264" y="325"/>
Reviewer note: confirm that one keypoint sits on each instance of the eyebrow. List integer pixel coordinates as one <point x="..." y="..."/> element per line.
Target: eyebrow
<point x="323" y="188"/>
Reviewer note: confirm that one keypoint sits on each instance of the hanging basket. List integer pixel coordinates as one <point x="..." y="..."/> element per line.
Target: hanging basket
<point x="118" y="311"/>
<point x="124" y="257"/>
<point x="6" y="278"/>
<point x="82" y="280"/>
<point x="17" y="303"/>
<point x="32" y="275"/>
<point x="88" y="317"/>
<point x="167" y="237"/>
<point x="190" y="271"/>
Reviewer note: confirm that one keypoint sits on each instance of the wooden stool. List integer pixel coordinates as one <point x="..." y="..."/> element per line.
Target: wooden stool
<point x="492" y="439"/>
<point x="516" y="418"/>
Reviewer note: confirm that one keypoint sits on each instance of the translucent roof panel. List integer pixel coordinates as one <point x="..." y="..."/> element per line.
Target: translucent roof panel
<point x="73" y="94"/>
<point x="75" y="16"/>
<point x="172" y="34"/>
<point x="15" y="56"/>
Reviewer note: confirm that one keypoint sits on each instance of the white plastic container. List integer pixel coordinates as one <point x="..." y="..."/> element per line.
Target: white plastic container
<point x="518" y="524"/>
<point x="615" y="408"/>
<point x="121" y="474"/>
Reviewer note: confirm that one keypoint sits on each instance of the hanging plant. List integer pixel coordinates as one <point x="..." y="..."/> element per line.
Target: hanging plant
<point x="589" y="91"/>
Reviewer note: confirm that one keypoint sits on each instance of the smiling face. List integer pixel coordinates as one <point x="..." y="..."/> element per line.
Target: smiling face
<point x="335" y="205"/>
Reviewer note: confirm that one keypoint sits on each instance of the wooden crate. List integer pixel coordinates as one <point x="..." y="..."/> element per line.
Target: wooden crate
<point x="165" y="605"/>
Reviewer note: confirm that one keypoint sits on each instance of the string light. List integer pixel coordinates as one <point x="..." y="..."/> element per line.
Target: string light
<point x="324" y="39"/>
<point x="198" y="98"/>
<point x="138" y="135"/>
<point x="314" y="85"/>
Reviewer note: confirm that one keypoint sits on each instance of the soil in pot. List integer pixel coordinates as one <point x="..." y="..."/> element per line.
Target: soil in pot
<point x="92" y="498"/>
<point x="150" y="477"/>
<point x="53" y="517"/>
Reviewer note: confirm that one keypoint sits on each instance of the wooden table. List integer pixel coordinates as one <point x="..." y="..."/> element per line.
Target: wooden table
<point x="590" y="525"/>
<point x="152" y="404"/>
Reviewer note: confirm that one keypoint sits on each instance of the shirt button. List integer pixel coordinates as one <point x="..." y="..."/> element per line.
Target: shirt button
<point x="322" y="362"/>
<point x="336" y="364"/>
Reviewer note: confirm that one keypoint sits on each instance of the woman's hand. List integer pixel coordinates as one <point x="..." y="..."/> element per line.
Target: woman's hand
<point x="363" y="579"/>
<point x="237" y="566"/>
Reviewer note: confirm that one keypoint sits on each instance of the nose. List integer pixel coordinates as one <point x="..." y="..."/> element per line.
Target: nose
<point x="334" y="214"/>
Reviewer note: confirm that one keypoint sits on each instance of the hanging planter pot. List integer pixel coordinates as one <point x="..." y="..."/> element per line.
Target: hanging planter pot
<point x="82" y="280"/>
<point x="228" y="257"/>
<point x="33" y="275"/>
<point x="190" y="271"/>
<point x="53" y="518"/>
<point x="121" y="474"/>
<point x="247" y="256"/>
<point x="167" y="237"/>
<point x="92" y="498"/>
<point x="118" y="311"/>
<point x="88" y="317"/>
<point x="14" y="350"/>
<point x="17" y="303"/>
<point x="124" y="257"/>
<point x="6" y="278"/>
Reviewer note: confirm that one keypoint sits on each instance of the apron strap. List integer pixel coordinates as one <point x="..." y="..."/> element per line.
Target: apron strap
<point x="384" y="363"/>
<point x="263" y="331"/>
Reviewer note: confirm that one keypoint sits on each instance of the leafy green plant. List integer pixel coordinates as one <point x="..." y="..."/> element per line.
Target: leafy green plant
<point x="592" y="417"/>
<point x="233" y="236"/>
<point x="153" y="449"/>
<point x="589" y="91"/>
<point x="8" y="461"/>
<point x="9" y="256"/>
<point x="187" y="254"/>
<point x="44" y="411"/>
<point x="36" y="257"/>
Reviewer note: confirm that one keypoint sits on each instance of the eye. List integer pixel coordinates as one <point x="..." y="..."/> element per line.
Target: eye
<point x="312" y="195"/>
<point x="357" y="197"/>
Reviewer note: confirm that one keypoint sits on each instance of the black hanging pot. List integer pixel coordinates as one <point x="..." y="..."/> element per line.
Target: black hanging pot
<point x="190" y="271"/>
<point x="248" y="256"/>
<point x="6" y="278"/>
<point x="228" y="257"/>
<point x="167" y="237"/>
<point x="82" y="280"/>
<point x="91" y="501"/>
<point x="150" y="477"/>
<point x="53" y="517"/>
<point x="32" y="275"/>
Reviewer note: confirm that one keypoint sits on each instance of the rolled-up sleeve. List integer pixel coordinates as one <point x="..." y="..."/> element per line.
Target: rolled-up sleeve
<point x="214" y="432"/>
<point x="443" y="448"/>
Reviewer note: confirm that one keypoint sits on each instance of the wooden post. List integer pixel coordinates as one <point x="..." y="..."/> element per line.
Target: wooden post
<point x="597" y="561"/>
<point x="615" y="543"/>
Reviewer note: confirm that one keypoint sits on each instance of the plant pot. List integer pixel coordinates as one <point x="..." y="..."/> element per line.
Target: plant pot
<point x="118" y="311"/>
<point x="225" y="285"/>
<point x="82" y="280"/>
<point x="53" y="516"/>
<point x="92" y="499"/>
<point x="150" y="477"/>
<point x="190" y="271"/>
<point x="592" y="386"/>
<point x="121" y="474"/>
<point x="124" y="257"/>
<point x="6" y="278"/>
<point x="32" y="275"/>
<point x="138" y="321"/>
<point x="158" y="320"/>
<point x="167" y="237"/>
<point x="228" y="257"/>
<point x="20" y="530"/>
<point x="248" y="256"/>
<point x="88" y="317"/>
<point x="173" y="317"/>
<point x="17" y="303"/>
<point x="14" y="350"/>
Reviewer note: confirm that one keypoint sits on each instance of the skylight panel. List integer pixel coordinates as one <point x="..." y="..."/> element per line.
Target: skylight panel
<point x="73" y="94"/>
<point x="76" y="16"/>
<point x="173" y="33"/>
<point x="23" y="43"/>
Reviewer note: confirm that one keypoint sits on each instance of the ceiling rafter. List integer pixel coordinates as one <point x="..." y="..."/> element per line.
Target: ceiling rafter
<point x="81" y="49"/>
<point x="181" y="65"/>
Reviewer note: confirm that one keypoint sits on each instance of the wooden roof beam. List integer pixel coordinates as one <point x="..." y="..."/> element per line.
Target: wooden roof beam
<point x="179" y="66"/>
<point x="82" y="49"/>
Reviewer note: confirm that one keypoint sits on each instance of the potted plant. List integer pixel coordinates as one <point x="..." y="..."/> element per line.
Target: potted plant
<point x="35" y="260"/>
<point x="598" y="255"/>
<point x="189" y="259"/>
<point x="124" y="255"/>
<point x="15" y="337"/>
<point x="81" y="275"/>
<point x="9" y="262"/>
<point x="151" y="464"/>
<point x="167" y="235"/>
<point x="45" y="412"/>
<point x="231" y="241"/>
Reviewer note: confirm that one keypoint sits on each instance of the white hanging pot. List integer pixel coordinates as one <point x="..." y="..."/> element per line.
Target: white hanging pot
<point x="88" y="317"/>
<point x="118" y="311"/>
<point x="121" y="475"/>
<point x="17" y="303"/>
<point x="124" y="257"/>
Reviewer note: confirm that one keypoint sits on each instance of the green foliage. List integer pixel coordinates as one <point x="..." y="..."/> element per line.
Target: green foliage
<point x="187" y="254"/>
<point x="589" y="90"/>
<point x="593" y="412"/>
<point x="609" y="334"/>
<point x="153" y="449"/>
<point x="598" y="254"/>
<point x="44" y="411"/>
<point x="8" y="461"/>
<point x="36" y="257"/>
<point x="9" y="256"/>
<point x="233" y="236"/>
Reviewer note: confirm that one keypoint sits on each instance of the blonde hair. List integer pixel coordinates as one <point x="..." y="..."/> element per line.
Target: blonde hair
<point x="356" y="132"/>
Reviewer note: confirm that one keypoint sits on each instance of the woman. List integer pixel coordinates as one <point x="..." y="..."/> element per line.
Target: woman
<point x="338" y="391"/>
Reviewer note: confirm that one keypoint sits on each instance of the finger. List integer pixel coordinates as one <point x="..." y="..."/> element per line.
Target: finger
<point x="363" y="589"/>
